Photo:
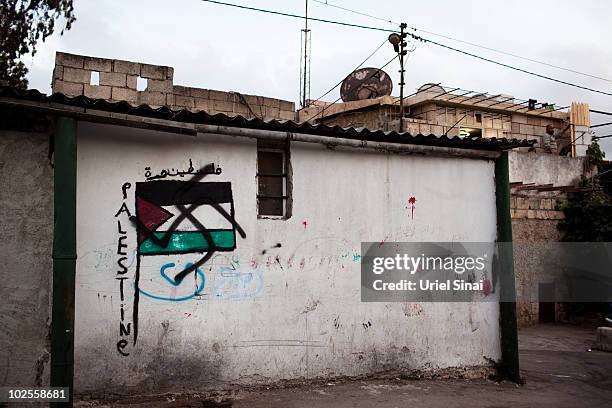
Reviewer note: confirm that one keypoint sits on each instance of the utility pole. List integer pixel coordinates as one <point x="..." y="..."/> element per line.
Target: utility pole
<point x="403" y="52"/>
<point x="399" y="45"/>
<point x="305" y="65"/>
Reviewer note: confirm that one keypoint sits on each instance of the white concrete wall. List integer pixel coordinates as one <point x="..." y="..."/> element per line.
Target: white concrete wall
<point x="293" y="311"/>
<point x="532" y="167"/>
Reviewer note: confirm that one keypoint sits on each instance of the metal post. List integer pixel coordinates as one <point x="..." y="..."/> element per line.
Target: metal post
<point x="507" y="308"/>
<point x="64" y="257"/>
<point x="402" y="70"/>
<point x="305" y="73"/>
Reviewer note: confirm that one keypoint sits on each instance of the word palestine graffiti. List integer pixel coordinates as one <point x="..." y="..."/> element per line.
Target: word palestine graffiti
<point x="156" y="203"/>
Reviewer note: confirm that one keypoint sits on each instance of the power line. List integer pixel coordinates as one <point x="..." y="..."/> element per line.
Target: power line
<point x="601" y="124"/>
<point x="467" y="42"/>
<point x="280" y="13"/>
<point x="416" y="37"/>
<point x="357" y="12"/>
<point x="600" y="112"/>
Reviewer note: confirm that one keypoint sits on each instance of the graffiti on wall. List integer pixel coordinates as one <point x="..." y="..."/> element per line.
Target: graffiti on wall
<point x="183" y="224"/>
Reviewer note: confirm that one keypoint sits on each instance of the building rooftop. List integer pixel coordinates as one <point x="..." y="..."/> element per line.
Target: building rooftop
<point x="84" y="107"/>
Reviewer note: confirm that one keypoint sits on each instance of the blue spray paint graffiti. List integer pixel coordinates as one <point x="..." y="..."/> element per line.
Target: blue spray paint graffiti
<point x="170" y="280"/>
<point x="236" y="285"/>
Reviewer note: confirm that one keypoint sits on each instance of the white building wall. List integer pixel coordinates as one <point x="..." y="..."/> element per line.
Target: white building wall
<point x="267" y="312"/>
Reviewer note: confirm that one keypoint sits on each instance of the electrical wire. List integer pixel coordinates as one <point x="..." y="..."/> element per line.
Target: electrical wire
<point x="416" y="37"/>
<point x="600" y="112"/>
<point x="280" y="13"/>
<point x="467" y="42"/>
<point x="334" y="102"/>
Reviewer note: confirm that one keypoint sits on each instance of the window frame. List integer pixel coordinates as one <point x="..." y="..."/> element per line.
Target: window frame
<point x="286" y="175"/>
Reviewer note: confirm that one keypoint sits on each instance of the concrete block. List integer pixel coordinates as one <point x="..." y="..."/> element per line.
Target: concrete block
<point x="222" y="96"/>
<point x="124" y="94"/>
<point x="152" y="71"/>
<point x="532" y="214"/>
<point x="199" y="93"/>
<point x="69" y="60"/>
<point x="58" y="72"/>
<point x="97" y="92"/>
<point x="152" y="98"/>
<point x="287" y="106"/>
<point x="522" y="203"/>
<point x="539" y="130"/>
<point x="98" y="64"/>
<point x="242" y="110"/>
<point x="274" y="103"/>
<point x="157" y="85"/>
<point x="533" y="121"/>
<point x="497" y="124"/>
<point x="181" y="90"/>
<point x="273" y="113"/>
<point x="287" y="115"/>
<point x="203" y="104"/>
<point x="126" y="67"/>
<point x="435" y="129"/>
<point x="520" y="213"/>
<point x="130" y="81"/>
<point x="223" y="106"/>
<point x="534" y="204"/>
<point x="604" y="339"/>
<point x="526" y="129"/>
<point x="519" y="119"/>
<point x="546" y="204"/>
<point x="169" y="99"/>
<point x="80" y="76"/>
<point x="68" y="88"/>
<point x="169" y="73"/>
<point x="542" y="215"/>
<point x="114" y="79"/>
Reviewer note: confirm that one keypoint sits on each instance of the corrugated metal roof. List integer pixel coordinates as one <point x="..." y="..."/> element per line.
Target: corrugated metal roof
<point x="256" y="123"/>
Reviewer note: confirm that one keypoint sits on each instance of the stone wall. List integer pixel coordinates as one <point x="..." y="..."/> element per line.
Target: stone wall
<point x="122" y="81"/>
<point x="535" y="217"/>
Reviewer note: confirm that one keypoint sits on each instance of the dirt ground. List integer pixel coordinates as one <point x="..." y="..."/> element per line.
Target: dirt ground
<point x="556" y="365"/>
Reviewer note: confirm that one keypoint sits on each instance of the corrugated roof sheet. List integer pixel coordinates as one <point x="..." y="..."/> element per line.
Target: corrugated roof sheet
<point x="275" y="125"/>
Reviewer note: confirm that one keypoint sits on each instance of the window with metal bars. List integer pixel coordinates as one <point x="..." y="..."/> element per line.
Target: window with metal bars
<point x="273" y="180"/>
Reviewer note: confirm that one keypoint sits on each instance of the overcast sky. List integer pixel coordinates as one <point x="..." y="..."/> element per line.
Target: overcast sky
<point x="218" y="47"/>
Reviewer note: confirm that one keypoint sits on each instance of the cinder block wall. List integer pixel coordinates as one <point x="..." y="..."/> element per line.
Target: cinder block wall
<point x="118" y="82"/>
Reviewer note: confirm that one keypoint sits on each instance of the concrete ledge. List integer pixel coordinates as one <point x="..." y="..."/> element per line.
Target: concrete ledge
<point x="604" y="339"/>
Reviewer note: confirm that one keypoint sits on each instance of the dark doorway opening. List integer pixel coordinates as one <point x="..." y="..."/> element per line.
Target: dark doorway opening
<point x="546" y="293"/>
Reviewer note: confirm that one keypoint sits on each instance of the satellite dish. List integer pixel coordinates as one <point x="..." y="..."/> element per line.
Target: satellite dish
<point x="366" y="83"/>
<point x="433" y="88"/>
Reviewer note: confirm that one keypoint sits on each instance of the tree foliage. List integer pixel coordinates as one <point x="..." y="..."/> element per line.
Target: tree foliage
<point x="22" y="25"/>
<point x="588" y="215"/>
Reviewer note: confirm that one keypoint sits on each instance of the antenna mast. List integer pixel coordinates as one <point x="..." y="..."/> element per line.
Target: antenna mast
<point x="305" y="63"/>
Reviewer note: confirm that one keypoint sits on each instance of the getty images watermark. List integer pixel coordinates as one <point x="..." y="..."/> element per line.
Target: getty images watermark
<point x="474" y="272"/>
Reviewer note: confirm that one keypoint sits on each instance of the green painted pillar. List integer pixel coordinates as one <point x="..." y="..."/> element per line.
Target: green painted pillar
<point x="64" y="256"/>
<point x="507" y="309"/>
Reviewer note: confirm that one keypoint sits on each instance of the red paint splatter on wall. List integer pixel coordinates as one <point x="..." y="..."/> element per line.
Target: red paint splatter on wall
<point x="412" y="202"/>
<point x="486" y="287"/>
<point x="305" y="223"/>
